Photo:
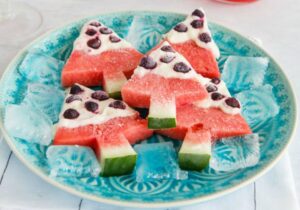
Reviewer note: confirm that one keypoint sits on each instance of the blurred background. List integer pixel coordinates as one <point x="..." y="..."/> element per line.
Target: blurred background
<point x="274" y="23"/>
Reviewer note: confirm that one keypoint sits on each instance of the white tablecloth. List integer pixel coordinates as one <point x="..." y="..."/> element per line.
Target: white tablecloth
<point x="276" y="22"/>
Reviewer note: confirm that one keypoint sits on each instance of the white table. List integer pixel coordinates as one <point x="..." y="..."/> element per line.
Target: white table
<point x="275" y="22"/>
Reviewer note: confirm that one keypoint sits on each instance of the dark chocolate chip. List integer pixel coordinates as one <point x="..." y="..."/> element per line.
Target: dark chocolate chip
<point x="181" y="67"/>
<point x="96" y="24"/>
<point x="233" y="102"/>
<point x="211" y="88"/>
<point x="70" y="114"/>
<point x="198" y="13"/>
<point x="205" y="37"/>
<point x="105" y="30"/>
<point x="117" y="105"/>
<point x="114" y="39"/>
<point x="100" y="95"/>
<point x="91" y="32"/>
<point x="73" y="98"/>
<point x="217" y="96"/>
<point x="197" y="23"/>
<point x="91" y="106"/>
<point x="167" y="48"/>
<point x="181" y="28"/>
<point x="94" y="43"/>
<point x="76" y="89"/>
<point x="167" y="58"/>
<point x="215" y="81"/>
<point x="148" y="63"/>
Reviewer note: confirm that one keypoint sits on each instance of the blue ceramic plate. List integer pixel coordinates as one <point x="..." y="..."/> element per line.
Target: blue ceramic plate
<point x="276" y="133"/>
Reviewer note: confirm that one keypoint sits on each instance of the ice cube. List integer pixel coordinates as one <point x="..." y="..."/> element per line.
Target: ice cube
<point x="244" y="73"/>
<point x="258" y="105"/>
<point x="229" y="154"/>
<point x="72" y="161"/>
<point x="48" y="99"/>
<point x="40" y="68"/>
<point x="145" y="32"/>
<point x="29" y="124"/>
<point x="157" y="161"/>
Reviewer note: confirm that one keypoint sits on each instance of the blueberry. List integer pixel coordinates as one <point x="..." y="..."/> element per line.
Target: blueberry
<point x="94" y="43"/>
<point x="180" y="28"/>
<point x="105" y="30"/>
<point x="96" y="24"/>
<point x="181" y="67"/>
<point x="117" y="105"/>
<point x="114" y="39"/>
<point x="233" y="102"/>
<point x="205" y="37"/>
<point x="90" y="32"/>
<point x="76" y="89"/>
<point x="167" y="58"/>
<point x="100" y="95"/>
<point x="70" y="114"/>
<point x="198" y="13"/>
<point x="197" y="23"/>
<point x="91" y="106"/>
<point x="148" y="63"/>
<point x="215" y="81"/>
<point x="211" y="88"/>
<point x="217" y="96"/>
<point x="73" y="98"/>
<point x="167" y="48"/>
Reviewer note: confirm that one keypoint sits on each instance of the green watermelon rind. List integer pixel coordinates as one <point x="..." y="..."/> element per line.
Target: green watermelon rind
<point x="193" y="162"/>
<point x="117" y="166"/>
<point x="160" y="123"/>
<point x="115" y="95"/>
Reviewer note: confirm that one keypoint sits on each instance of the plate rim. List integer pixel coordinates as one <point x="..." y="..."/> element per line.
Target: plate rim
<point x="141" y="204"/>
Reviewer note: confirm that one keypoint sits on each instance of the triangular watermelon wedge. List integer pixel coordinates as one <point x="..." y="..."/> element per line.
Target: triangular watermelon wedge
<point x="204" y="121"/>
<point x="100" y="57"/>
<point x="163" y="79"/>
<point x="192" y="38"/>
<point x="90" y="118"/>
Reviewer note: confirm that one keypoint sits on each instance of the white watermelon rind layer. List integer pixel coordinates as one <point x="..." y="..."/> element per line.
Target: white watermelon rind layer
<point x="162" y="115"/>
<point x="113" y="87"/>
<point x="194" y="156"/>
<point x="116" y="161"/>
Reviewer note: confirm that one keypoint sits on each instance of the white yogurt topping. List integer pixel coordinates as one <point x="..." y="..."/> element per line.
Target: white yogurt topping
<point x="210" y="103"/>
<point x="103" y="114"/>
<point x="166" y="70"/>
<point x="193" y="34"/>
<point x="80" y="43"/>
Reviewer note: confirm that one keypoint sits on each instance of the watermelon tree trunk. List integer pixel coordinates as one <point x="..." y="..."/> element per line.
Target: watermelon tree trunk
<point x="113" y="82"/>
<point x="115" y="154"/>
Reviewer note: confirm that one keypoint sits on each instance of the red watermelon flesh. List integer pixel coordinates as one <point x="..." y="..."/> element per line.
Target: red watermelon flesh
<point x="99" y="51"/>
<point x="201" y="59"/>
<point x="163" y="80"/>
<point x="219" y="123"/>
<point x="192" y="38"/>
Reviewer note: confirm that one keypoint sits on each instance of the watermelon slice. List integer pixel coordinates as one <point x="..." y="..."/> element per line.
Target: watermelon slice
<point x="219" y="113"/>
<point x="192" y="38"/>
<point x="100" y="56"/>
<point x="195" y="151"/>
<point x="90" y="118"/>
<point x="163" y="80"/>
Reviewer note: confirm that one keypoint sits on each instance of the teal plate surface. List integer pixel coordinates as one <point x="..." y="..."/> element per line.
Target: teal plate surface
<point x="124" y="191"/>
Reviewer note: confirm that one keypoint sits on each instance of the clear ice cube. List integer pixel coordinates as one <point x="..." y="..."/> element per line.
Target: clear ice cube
<point x="29" y="124"/>
<point x="40" y="68"/>
<point x="258" y="105"/>
<point x="229" y="154"/>
<point x="145" y="32"/>
<point x="157" y="161"/>
<point x="48" y="99"/>
<point x="72" y="161"/>
<point x="244" y="73"/>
